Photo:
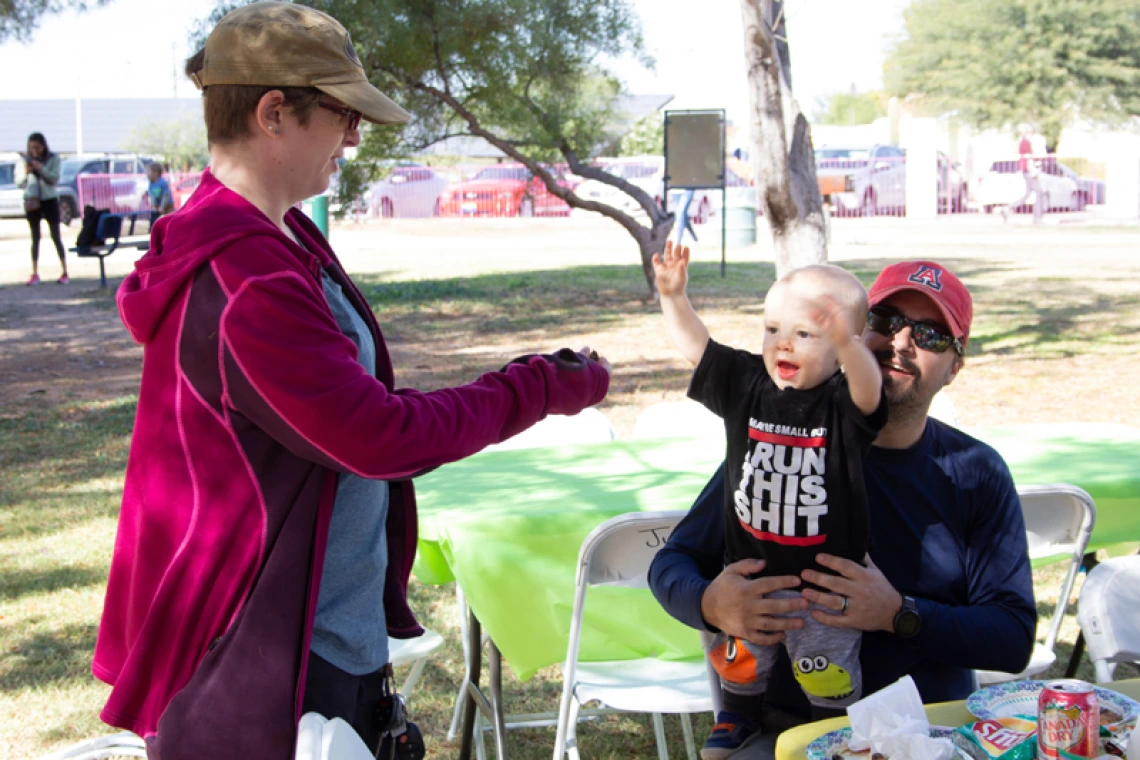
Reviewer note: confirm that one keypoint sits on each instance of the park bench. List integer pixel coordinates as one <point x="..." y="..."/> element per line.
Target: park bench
<point x="108" y="238"/>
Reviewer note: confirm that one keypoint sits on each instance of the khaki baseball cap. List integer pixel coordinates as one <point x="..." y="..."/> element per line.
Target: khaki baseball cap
<point x="276" y="44"/>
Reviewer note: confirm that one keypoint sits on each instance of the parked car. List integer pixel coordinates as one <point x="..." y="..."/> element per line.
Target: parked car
<point x="121" y="191"/>
<point x="1003" y="184"/>
<point x="1090" y="191"/>
<point x="11" y="191"/>
<point x="183" y="186"/>
<point x="503" y="190"/>
<point x="862" y="180"/>
<point x="867" y="181"/>
<point x="631" y="168"/>
<point x="410" y="191"/>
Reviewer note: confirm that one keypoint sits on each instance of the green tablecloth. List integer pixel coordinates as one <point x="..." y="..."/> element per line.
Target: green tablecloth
<point x="1103" y="459"/>
<point x="508" y="525"/>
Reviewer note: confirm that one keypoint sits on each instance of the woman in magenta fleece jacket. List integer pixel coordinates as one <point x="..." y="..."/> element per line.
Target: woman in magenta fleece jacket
<point x="268" y="398"/>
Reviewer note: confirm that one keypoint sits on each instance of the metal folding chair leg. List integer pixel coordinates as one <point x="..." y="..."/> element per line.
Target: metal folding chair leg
<point x="480" y="744"/>
<point x="460" y="697"/>
<point x="659" y="734"/>
<point x="572" y="731"/>
<point x="413" y="677"/>
<point x="496" y="675"/>
<point x="687" y="730"/>
<point x="476" y="701"/>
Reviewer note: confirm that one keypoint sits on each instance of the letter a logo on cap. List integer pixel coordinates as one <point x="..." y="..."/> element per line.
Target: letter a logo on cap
<point x="928" y="276"/>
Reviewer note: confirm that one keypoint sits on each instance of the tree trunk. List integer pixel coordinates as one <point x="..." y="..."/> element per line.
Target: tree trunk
<point x="783" y="159"/>
<point x="651" y="241"/>
<point x="1051" y="128"/>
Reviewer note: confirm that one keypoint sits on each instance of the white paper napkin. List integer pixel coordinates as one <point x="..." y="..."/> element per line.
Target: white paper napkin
<point x="893" y="722"/>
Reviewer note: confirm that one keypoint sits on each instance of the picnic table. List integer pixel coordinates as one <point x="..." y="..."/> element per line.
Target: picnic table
<point x="109" y="230"/>
<point x="507" y="525"/>
<point x="792" y="744"/>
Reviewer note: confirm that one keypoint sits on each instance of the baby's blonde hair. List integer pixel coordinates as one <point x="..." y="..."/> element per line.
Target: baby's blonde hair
<point x="837" y="282"/>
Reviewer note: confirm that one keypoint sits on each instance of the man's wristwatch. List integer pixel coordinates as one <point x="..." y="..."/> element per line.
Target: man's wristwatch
<point x="907" y="620"/>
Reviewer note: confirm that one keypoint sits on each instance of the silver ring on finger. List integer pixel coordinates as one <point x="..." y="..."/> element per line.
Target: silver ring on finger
<point x="843" y="609"/>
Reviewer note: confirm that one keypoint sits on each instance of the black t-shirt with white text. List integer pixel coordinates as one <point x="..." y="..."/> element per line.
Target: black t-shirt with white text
<point x="794" y="483"/>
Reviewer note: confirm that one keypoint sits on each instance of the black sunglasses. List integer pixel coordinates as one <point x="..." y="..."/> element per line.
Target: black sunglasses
<point x="354" y="116"/>
<point x="929" y="337"/>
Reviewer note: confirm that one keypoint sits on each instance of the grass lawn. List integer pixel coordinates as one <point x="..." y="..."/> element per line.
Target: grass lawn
<point x="1056" y="339"/>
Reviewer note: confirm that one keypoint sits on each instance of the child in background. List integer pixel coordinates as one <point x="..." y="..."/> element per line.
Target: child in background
<point x="159" y="198"/>
<point x="797" y="429"/>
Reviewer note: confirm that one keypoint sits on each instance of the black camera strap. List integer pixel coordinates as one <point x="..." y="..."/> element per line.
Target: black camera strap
<point x="400" y="739"/>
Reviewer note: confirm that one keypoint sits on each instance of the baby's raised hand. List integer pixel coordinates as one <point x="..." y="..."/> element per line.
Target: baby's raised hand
<point x="833" y="321"/>
<point x="671" y="269"/>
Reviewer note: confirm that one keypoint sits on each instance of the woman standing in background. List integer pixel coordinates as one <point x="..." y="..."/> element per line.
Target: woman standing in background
<point x="42" y="202"/>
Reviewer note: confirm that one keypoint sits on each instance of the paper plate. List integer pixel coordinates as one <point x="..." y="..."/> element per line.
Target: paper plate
<point x="835" y="743"/>
<point x="1003" y="700"/>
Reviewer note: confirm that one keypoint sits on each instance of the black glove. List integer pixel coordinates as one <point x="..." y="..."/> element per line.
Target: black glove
<point x="564" y="358"/>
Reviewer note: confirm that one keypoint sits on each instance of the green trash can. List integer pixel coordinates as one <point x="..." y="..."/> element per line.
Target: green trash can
<point x="319" y="213"/>
<point x="740" y="226"/>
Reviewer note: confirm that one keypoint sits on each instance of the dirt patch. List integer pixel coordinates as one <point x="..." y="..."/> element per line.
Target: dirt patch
<point x="63" y="343"/>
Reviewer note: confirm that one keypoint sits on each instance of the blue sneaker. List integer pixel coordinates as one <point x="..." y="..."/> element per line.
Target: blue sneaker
<point x="727" y="735"/>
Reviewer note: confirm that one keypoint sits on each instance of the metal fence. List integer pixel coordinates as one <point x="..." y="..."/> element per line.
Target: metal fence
<point x="862" y="186"/>
<point x="126" y="193"/>
<point x="857" y="183"/>
<point x="1066" y="184"/>
<point x="509" y="190"/>
<point x="499" y="190"/>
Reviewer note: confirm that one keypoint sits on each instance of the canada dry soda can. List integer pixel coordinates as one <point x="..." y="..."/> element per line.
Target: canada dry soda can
<point x="1068" y="720"/>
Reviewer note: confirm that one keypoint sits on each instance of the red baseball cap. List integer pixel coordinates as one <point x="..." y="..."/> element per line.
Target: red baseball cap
<point x="934" y="281"/>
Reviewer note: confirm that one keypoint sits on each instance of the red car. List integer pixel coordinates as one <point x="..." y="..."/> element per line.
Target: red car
<point x="182" y="186"/>
<point x="503" y="190"/>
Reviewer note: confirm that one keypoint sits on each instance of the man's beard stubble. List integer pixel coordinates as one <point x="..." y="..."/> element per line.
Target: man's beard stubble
<point x="908" y="402"/>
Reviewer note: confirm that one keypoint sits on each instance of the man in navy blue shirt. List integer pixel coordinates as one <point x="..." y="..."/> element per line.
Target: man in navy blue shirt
<point x="946" y="588"/>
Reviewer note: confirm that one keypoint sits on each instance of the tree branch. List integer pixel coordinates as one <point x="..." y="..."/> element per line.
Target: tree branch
<point x="438" y="53"/>
<point x="568" y="196"/>
<point x="424" y="145"/>
<point x="592" y="172"/>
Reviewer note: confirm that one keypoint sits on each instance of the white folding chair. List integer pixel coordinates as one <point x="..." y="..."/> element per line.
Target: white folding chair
<point x="618" y="553"/>
<point x="414" y="651"/>
<point x="321" y="738"/>
<point x="678" y="419"/>
<point x="1109" y="614"/>
<point x="588" y="426"/>
<point x="1059" y="520"/>
<point x="710" y="671"/>
<point x="124" y="744"/>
